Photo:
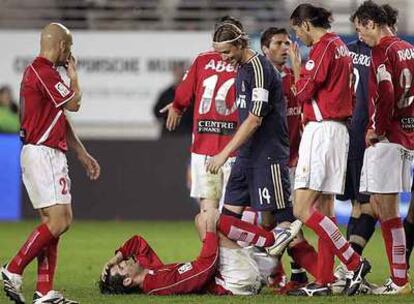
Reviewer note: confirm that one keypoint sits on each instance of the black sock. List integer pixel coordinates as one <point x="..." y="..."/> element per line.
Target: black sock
<point x="350" y="226"/>
<point x="409" y="238"/>
<point x="298" y="274"/>
<point x="364" y="227"/>
<point x="226" y="211"/>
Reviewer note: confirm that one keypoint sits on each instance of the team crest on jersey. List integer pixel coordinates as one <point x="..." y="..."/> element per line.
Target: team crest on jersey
<point x="243" y="87"/>
<point x="310" y="65"/>
<point x="186" y="267"/>
<point x="62" y="89"/>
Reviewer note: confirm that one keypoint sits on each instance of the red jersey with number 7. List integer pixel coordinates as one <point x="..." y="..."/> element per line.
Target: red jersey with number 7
<point x="209" y="83"/>
<point x="392" y="91"/>
<point x="43" y="94"/>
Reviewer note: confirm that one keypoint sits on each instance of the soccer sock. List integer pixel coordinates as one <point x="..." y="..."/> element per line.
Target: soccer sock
<point x="298" y="274"/>
<point x="394" y="238"/>
<point x="326" y="261"/>
<point x="350" y="226"/>
<point x="46" y="265"/>
<point x="250" y="216"/>
<point x="39" y="238"/>
<point x="326" y="229"/>
<point x="304" y="255"/>
<point x="363" y="230"/>
<point x="238" y="230"/>
<point x="409" y="239"/>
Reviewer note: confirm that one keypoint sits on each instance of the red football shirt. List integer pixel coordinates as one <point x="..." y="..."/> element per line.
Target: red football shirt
<point x="42" y="96"/>
<point x="391" y="86"/>
<point x="180" y="278"/>
<point x="325" y="85"/>
<point x="294" y="115"/>
<point x="209" y="83"/>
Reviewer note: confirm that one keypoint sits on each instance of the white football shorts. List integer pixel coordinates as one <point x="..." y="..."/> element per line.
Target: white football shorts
<point x="323" y="153"/>
<point x="239" y="271"/>
<point x="45" y="175"/>
<point x="386" y="169"/>
<point x="206" y="185"/>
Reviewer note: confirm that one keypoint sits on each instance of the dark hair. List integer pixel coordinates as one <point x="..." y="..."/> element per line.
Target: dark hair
<point x="229" y="19"/>
<point x="317" y="16"/>
<point x="392" y="15"/>
<point x="269" y="33"/>
<point x="370" y="11"/>
<point x="231" y="33"/>
<point x="114" y="284"/>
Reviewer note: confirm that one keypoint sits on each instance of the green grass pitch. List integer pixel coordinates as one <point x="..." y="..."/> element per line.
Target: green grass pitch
<point x="87" y="245"/>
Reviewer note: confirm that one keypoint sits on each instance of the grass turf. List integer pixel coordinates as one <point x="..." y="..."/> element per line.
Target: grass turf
<point x="84" y="249"/>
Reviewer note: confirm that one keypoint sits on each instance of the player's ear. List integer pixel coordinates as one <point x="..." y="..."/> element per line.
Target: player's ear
<point x="306" y="26"/>
<point x="265" y="50"/>
<point x="127" y="282"/>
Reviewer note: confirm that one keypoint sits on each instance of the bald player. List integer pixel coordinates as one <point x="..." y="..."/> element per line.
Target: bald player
<point x="47" y="135"/>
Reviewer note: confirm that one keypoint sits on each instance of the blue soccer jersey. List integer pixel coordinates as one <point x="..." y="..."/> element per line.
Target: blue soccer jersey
<point x="361" y="58"/>
<point x="259" y="91"/>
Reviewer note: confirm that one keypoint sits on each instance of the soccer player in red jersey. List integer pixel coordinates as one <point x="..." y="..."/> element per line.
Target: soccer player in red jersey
<point x="222" y="267"/>
<point x="47" y="135"/>
<point x="324" y="87"/>
<point x="209" y="84"/>
<point x="390" y="136"/>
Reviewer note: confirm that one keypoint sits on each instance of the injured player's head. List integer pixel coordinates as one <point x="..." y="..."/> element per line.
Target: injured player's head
<point x="123" y="278"/>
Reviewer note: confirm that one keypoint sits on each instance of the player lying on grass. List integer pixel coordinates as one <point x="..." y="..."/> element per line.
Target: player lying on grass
<point x="222" y="267"/>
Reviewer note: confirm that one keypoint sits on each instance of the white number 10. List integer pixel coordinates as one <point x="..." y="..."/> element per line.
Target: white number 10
<point x="209" y="85"/>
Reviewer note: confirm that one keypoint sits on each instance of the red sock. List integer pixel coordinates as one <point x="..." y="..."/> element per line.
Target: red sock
<point x="326" y="262"/>
<point x="326" y="229"/>
<point x="305" y="256"/>
<point x="238" y="230"/>
<point x="46" y="265"/>
<point x="394" y="238"/>
<point x="39" y="238"/>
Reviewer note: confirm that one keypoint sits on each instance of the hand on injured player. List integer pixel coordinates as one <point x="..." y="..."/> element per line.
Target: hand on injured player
<point x="113" y="261"/>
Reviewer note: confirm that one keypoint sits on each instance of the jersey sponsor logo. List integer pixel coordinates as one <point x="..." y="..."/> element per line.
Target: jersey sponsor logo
<point x="219" y="66"/>
<point x="184" y="268"/>
<point x="260" y="94"/>
<point x="62" y="89"/>
<point x="341" y="51"/>
<point x="407" y="123"/>
<point x="310" y="65"/>
<point x="406" y="54"/>
<point x="294" y="111"/>
<point x="216" y="127"/>
<point x="360" y="59"/>
<point x="241" y="102"/>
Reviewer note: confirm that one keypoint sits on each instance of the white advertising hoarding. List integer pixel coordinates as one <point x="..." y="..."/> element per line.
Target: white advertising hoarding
<point x="121" y="74"/>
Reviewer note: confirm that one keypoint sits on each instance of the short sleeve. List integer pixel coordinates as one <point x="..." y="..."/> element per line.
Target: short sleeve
<point x="54" y="87"/>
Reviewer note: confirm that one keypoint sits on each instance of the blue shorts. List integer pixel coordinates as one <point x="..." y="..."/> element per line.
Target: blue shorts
<point x="264" y="188"/>
<point x="353" y="177"/>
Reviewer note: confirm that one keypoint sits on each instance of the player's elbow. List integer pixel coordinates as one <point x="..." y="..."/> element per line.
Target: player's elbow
<point x="73" y="105"/>
<point x="255" y="121"/>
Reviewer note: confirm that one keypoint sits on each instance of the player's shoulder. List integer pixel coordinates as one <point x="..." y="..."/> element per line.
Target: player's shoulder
<point x="207" y="55"/>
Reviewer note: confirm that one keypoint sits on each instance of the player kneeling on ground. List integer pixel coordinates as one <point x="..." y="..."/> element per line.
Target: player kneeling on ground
<point x="222" y="267"/>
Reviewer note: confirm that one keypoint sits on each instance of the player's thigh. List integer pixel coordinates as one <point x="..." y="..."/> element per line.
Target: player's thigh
<point x="269" y="187"/>
<point x="386" y="160"/>
<point x="205" y="185"/>
<point x="323" y="157"/>
<point x="45" y="175"/>
<point x="237" y="189"/>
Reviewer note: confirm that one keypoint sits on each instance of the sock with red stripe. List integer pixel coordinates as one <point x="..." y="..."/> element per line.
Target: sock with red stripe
<point x="326" y="261"/>
<point x="46" y="265"/>
<point x="326" y="229"/>
<point x="394" y="238"/>
<point x="36" y="242"/>
<point x="238" y="230"/>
